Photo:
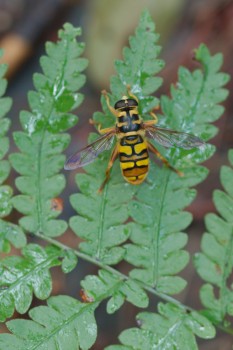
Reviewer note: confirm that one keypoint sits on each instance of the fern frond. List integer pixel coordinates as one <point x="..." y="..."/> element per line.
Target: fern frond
<point x="172" y="328"/>
<point x="101" y="217"/>
<point x="215" y="264"/>
<point x="64" y="324"/>
<point x="43" y="140"/>
<point x="9" y="233"/>
<point x="108" y="285"/>
<point x="157" y="237"/>
<point x="20" y="276"/>
<point x="139" y="66"/>
<point x="101" y="220"/>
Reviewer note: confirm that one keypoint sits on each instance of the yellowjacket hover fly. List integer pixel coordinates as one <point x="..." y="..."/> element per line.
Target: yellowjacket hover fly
<point x="132" y="145"/>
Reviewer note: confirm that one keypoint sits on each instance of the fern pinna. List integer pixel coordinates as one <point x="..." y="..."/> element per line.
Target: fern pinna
<point x="158" y="211"/>
<point x="214" y="263"/>
<point x="142" y="225"/>
<point x="9" y="233"/>
<point x="101" y="220"/>
<point x="43" y="140"/>
<point x="38" y="164"/>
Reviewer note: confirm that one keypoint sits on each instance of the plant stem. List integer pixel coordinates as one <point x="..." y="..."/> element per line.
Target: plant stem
<point x="124" y="277"/>
<point x="112" y="270"/>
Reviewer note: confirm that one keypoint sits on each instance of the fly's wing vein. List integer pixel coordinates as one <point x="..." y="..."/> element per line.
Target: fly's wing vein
<point x="171" y="138"/>
<point x="89" y="153"/>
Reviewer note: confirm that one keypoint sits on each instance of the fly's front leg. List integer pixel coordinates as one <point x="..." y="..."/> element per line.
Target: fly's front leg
<point x="164" y="160"/>
<point x="153" y="121"/>
<point x="109" y="167"/>
<point x="131" y="94"/>
<point x="101" y="131"/>
<point x="153" y="115"/>
<point x="112" y="109"/>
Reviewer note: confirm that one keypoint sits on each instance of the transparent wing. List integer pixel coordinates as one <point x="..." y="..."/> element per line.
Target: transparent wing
<point x="90" y="152"/>
<point x="170" y="138"/>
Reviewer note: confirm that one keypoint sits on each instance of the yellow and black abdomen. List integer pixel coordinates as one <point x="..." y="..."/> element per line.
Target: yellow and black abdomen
<point x="134" y="159"/>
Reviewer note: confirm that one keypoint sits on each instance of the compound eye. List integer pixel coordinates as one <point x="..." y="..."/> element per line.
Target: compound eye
<point x="132" y="102"/>
<point x="120" y="104"/>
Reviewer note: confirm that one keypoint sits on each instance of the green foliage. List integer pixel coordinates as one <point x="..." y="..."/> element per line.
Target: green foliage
<point x="140" y="224"/>
<point x="69" y="261"/>
<point x="43" y="138"/>
<point x="214" y="264"/>
<point x="140" y="65"/>
<point x="64" y="324"/>
<point x="38" y="163"/>
<point x="9" y="233"/>
<point x="157" y="237"/>
<point x="101" y="220"/>
<point x="106" y="284"/>
<point x="172" y="328"/>
<point x="21" y="276"/>
<point x="101" y="217"/>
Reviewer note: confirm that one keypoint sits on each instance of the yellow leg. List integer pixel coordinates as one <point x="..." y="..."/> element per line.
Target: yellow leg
<point x="101" y="131"/>
<point x="109" y="167"/>
<point x="153" y="121"/>
<point x="154" y="116"/>
<point x="130" y="93"/>
<point x="112" y="109"/>
<point x="164" y="160"/>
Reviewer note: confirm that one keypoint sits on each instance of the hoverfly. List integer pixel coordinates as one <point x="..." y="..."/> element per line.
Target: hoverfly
<point x="132" y="145"/>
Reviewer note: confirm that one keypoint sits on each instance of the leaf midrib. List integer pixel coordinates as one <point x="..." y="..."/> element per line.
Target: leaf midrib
<point x="40" y="153"/>
<point x="77" y="315"/>
<point x="155" y="263"/>
<point x="101" y="222"/>
<point x="35" y="268"/>
<point x="156" y="269"/>
<point x="170" y="333"/>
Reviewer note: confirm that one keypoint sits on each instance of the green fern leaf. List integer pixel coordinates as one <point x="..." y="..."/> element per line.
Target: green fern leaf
<point x="172" y="328"/>
<point x="9" y="233"/>
<point x="101" y="217"/>
<point x="43" y="140"/>
<point x="157" y="237"/>
<point x="108" y="285"/>
<point x="140" y="65"/>
<point x="69" y="261"/>
<point x="64" y="324"/>
<point x="214" y="264"/>
<point x="101" y="220"/>
<point x="21" y="276"/>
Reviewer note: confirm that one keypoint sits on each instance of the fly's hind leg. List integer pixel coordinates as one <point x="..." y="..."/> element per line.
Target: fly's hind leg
<point x="164" y="160"/>
<point x="109" y="167"/>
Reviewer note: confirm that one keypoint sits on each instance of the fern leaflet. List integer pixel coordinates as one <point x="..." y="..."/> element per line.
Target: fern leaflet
<point x="43" y="140"/>
<point x="157" y="237"/>
<point x="214" y="264"/>
<point x="9" y="233"/>
<point x="101" y="220"/>
<point x="172" y="328"/>
<point x="107" y="285"/>
<point x="21" y="276"/>
<point x="64" y="324"/>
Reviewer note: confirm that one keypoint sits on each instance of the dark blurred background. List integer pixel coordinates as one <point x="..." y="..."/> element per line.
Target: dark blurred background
<point x="26" y="25"/>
